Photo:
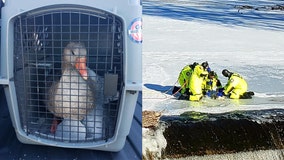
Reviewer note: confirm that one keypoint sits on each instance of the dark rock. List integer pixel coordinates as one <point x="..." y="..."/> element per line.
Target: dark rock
<point x="194" y="133"/>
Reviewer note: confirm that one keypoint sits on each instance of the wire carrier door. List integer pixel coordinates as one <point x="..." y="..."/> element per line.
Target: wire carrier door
<point x="86" y="108"/>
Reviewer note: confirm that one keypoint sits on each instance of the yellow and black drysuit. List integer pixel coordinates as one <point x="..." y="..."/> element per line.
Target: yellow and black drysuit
<point x="211" y="84"/>
<point x="236" y="86"/>
<point x="184" y="77"/>
<point x="195" y="83"/>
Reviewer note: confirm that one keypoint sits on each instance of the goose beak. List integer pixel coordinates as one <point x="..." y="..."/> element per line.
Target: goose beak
<point x="81" y="67"/>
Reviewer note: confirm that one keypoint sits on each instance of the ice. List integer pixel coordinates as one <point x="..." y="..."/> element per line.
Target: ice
<point x="154" y="141"/>
<point x="172" y="42"/>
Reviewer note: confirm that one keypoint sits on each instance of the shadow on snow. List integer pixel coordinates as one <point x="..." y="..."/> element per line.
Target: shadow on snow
<point x="220" y="13"/>
<point x="163" y="89"/>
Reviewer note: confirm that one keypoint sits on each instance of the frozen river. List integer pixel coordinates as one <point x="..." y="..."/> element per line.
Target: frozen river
<point x="248" y="41"/>
<point x="242" y="36"/>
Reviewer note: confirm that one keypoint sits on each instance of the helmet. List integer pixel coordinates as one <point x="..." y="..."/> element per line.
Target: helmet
<point x="226" y="73"/>
<point x="211" y="73"/>
<point x="205" y="65"/>
<point x="192" y="66"/>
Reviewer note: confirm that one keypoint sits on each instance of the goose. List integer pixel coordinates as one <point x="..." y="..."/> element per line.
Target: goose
<point x="72" y="96"/>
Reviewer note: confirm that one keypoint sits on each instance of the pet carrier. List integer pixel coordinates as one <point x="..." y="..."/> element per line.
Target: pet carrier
<point x="72" y="70"/>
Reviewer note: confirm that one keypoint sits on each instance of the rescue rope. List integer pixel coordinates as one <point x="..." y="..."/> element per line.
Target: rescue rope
<point x="178" y="89"/>
<point x="170" y="88"/>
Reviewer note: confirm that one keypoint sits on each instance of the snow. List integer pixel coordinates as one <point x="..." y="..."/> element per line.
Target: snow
<point x="250" y="42"/>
